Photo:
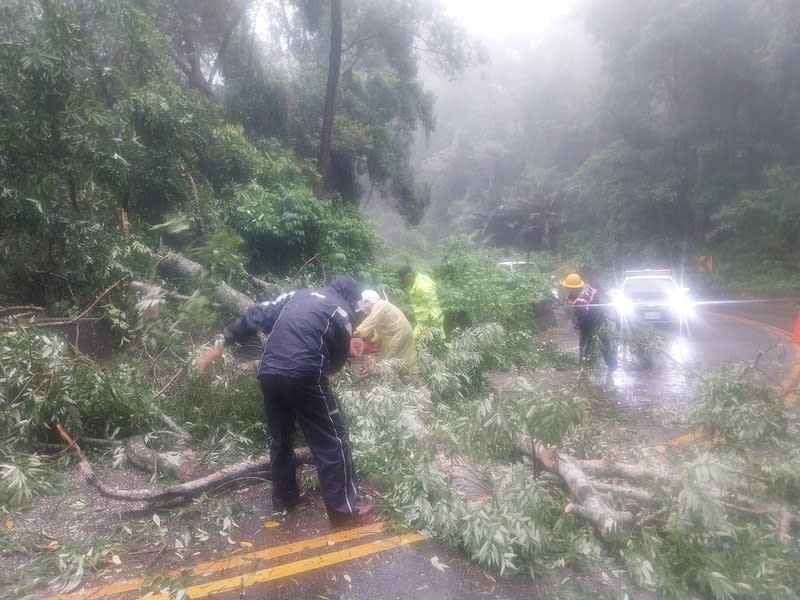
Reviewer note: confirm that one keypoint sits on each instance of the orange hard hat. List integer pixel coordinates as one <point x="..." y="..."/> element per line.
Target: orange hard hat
<point x="573" y="281"/>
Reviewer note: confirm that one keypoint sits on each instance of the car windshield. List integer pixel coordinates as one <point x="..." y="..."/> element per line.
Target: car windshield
<point x="660" y="287"/>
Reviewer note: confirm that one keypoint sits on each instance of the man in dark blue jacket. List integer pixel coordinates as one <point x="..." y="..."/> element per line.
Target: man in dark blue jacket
<point x="309" y="338"/>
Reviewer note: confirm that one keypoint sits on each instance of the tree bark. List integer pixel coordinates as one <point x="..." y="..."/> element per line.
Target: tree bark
<point x="226" y="38"/>
<point x="195" y="487"/>
<point x="154" y="290"/>
<point x="177" y="265"/>
<point x="329" y="108"/>
<point x="616" y="470"/>
<point x="588" y="503"/>
<point x="198" y="83"/>
<point x="178" y="465"/>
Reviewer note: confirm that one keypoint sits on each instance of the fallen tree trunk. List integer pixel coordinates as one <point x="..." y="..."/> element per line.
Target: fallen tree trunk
<point x="177" y="265"/>
<point x="635" y="472"/>
<point x="196" y="487"/>
<point x="178" y="465"/>
<point x="638" y="495"/>
<point x="154" y="290"/>
<point x="588" y="504"/>
<point x="787" y="518"/>
<point x="259" y="283"/>
<point x="189" y="489"/>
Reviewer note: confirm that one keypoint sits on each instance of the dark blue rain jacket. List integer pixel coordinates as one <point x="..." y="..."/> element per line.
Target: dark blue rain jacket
<point x="309" y="330"/>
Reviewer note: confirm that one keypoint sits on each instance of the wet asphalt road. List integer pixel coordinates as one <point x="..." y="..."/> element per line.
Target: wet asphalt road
<point x="423" y="569"/>
<point x="718" y="334"/>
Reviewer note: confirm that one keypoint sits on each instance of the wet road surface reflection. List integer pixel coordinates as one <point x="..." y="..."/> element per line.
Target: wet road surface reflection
<point x="666" y="389"/>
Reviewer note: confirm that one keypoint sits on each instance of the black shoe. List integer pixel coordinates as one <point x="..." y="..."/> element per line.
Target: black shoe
<point x="284" y="504"/>
<point x="364" y="513"/>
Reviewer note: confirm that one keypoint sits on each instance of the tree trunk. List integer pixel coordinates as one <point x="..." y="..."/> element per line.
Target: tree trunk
<point x="226" y="38"/>
<point x="177" y="265"/>
<point x="195" y="487"/>
<point x="588" y="503"/>
<point x="329" y="108"/>
<point x="153" y="290"/>
<point x="178" y="465"/>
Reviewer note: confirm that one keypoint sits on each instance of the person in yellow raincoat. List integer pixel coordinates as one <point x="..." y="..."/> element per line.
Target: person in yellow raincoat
<point x="425" y="302"/>
<point x="387" y="325"/>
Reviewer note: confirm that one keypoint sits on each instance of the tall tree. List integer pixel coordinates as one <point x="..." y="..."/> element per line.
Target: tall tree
<point x="380" y="101"/>
<point x="329" y="107"/>
<point x="200" y="31"/>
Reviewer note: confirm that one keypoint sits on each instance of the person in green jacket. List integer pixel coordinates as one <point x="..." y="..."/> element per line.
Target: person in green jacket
<point x="425" y="302"/>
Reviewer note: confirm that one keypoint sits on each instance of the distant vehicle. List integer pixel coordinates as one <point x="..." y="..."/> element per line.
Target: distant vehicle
<point x="654" y="296"/>
<point x="517" y="266"/>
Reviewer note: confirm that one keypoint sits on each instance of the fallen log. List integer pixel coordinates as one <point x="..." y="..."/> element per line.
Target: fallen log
<point x="266" y="286"/>
<point x="177" y="265"/>
<point x="154" y="290"/>
<point x="638" y="495"/>
<point x="635" y="472"/>
<point x="191" y="489"/>
<point x="786" y="517"/>
<point x="588" y="503"/>
<point x="149" y="289"/>
<point x="178" y="465"/>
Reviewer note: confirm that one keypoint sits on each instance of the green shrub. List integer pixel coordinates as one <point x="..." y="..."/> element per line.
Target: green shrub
<point x="735" y="405"/>
<point x="284" y="226"/>
<point x="474" y="290"/>
<point x="43" y="383"/>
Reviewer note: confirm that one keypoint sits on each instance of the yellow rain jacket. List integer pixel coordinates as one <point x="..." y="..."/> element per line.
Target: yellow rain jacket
<point x="387" y="325"/>
<point x="427" y="312"/>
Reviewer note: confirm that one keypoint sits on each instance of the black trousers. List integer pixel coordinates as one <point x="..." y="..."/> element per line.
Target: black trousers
<point x="313" y="405"/>
<point x="588" y="335"/>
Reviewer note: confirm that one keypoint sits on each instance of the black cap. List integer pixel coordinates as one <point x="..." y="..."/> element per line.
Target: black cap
<point x="348" y="288"/>
<point x="405" y="271"/>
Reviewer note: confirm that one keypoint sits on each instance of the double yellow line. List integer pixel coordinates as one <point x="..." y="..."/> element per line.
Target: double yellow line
<point x="788" y="384"/>
<point x="251" y="560"/>
<point x="791" y="381"/>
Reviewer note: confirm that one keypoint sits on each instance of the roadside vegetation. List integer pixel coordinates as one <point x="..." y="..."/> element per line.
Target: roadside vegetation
<point x="443" y="453"/>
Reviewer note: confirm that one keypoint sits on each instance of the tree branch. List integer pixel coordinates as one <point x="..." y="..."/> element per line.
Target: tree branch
<point x="85" y="312"/>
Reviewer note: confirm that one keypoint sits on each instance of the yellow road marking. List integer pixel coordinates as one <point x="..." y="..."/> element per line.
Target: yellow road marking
<point x="758" y="324"/>
<point x="791" y="380"/>
<point x="786" y="384"/>
<point x="688" y="438"/>
<point x="248" y="559"/>
<point x="240" y="582"/>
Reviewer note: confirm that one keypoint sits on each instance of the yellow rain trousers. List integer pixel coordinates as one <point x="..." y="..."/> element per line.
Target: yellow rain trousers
<point x="387" y="325"/>
<point x="427" y="311"/>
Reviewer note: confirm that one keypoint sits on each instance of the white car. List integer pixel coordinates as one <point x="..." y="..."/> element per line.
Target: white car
<point x="654" y="296"/>
<point x="517" y="266"/>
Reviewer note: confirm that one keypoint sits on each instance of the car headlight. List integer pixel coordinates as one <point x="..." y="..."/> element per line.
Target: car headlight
<point x="682" y="306"/>
<point x="623" y="306"/>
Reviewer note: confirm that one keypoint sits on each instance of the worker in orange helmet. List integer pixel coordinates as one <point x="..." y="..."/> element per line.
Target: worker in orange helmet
<point x="589" y="315"/>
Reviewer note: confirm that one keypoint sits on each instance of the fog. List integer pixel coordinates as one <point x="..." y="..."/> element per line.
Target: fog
<point x="625" y="131"/>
